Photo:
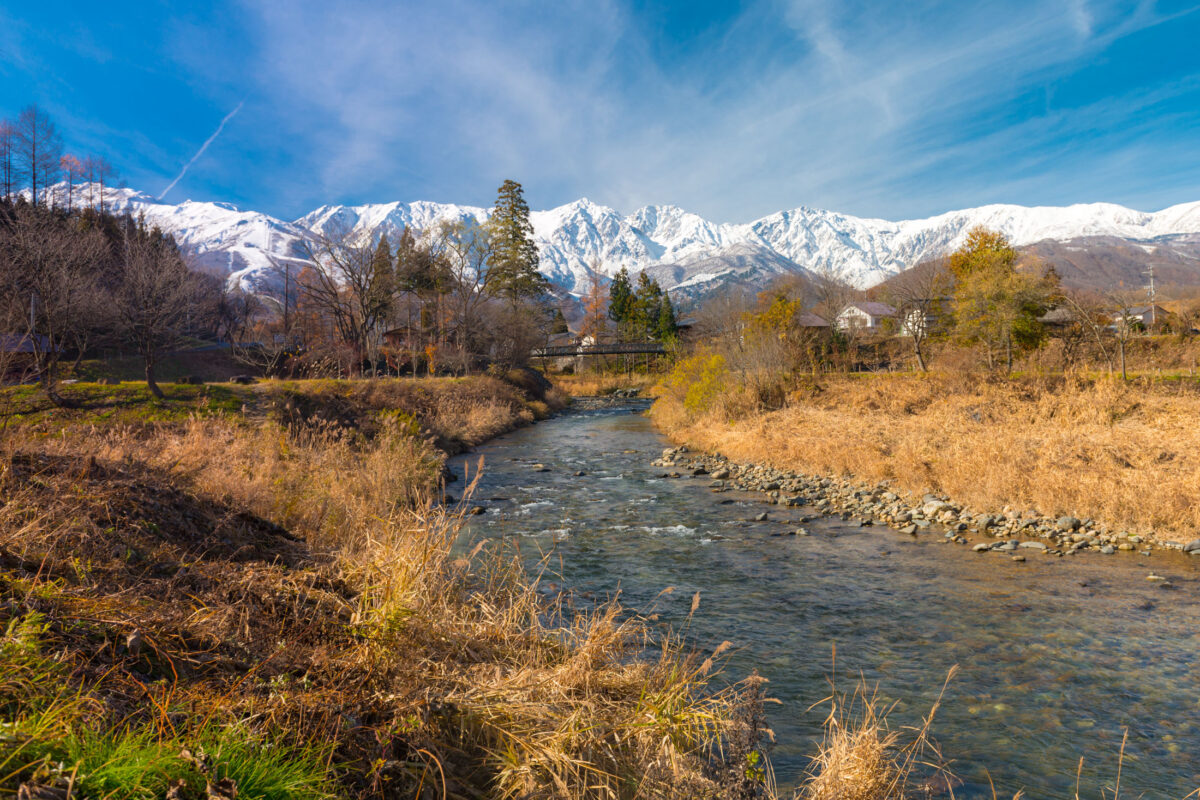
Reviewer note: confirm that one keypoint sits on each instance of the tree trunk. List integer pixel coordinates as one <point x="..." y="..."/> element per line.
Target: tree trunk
<point x="920" y="356"/>
<point x="151" y="384"/>
<point x="50" y="387"/>
<point x="1008" y="351"/>
<point x="1124" y="376"/>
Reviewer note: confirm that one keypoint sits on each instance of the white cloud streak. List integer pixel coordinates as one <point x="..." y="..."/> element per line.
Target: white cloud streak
<point x="895" y="110"/>
<point x="203" y="147"/>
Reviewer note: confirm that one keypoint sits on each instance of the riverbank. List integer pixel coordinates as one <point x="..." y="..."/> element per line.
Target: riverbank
<point x="1115" y="464"/>
<point x="252" y="590"/>
<point x="1016" y="534"/>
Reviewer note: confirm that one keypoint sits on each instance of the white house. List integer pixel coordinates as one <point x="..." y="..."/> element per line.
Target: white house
<point x="1146" y="317"/>
<point x="864" y="316"/>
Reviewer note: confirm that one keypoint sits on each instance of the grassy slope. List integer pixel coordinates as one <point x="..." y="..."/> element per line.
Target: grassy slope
<point x="247" y="584"/>
<point x="1126" y="455"/>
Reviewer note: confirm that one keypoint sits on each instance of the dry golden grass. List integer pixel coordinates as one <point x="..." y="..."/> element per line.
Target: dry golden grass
<point x="296" y="582"/>
<point x="1127" y="455"/>
<point x="863" y="758"/>
<point x="596" y="384"/>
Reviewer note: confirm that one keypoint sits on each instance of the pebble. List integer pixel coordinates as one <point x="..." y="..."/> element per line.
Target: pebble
<point x="1018" y="558"/>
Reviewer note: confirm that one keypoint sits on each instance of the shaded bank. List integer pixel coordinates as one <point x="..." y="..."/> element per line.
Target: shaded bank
<point x="266" y="602"/>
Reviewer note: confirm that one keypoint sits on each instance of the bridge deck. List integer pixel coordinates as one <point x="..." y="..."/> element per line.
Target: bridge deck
<point x="616" y="348"/>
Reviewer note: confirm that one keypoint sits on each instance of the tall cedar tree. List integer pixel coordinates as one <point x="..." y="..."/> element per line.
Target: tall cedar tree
<point x="514" y="262"/>
<point x="620" y="298"/>
<point x="384" y="284"/>
<point x="667" y="325"/>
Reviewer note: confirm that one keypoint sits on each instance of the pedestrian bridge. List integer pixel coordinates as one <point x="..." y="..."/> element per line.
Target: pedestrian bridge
<point x="611" y="349"/>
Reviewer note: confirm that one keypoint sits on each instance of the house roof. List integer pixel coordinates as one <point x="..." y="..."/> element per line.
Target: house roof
<point x="874" y="309"/>
<point x="22" y="343"/>
<point x="811" y="320"/>
<point x="1140" y="310"/>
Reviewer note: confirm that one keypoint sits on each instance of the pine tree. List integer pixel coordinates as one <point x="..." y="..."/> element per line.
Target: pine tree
<point x="620" y="298"/>
<point x="647" y="302"/>
<point x="667" y="326"/>
<point x="514" y="262"/>
<point x="383" y="275"/>
<point x="559" y="324"/>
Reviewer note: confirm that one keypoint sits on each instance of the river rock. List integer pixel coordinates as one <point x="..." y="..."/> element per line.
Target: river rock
<point x="721" y="474"/>
<point x="1192" y="547"/>
<point x="1108" y="549"/>
<point x="1033" y="545"/>
<point x="1068" y="523"/>
<point x="911" y="530"/>
<point x="761" y="517"/>
<point x="982" y="547"/>
<point x="1018" y="558"/>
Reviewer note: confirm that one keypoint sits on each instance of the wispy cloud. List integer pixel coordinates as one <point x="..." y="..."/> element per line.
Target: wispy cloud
<point x="872" y="108"/>
<point x="203" y="147"/>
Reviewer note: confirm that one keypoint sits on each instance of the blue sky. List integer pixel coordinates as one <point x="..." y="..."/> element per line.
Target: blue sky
<point x="731" y="110"/>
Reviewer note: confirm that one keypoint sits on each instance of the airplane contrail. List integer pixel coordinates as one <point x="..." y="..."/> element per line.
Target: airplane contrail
<point x="200" y="152"/>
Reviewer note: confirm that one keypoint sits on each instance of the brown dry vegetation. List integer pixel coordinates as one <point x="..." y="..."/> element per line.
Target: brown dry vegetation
<point x="596" y="384"/>
<point x="1127" y="455"/>
<point x="270" y="602"/>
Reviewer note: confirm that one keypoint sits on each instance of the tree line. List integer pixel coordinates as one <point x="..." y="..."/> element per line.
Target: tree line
<point x="77" y="280"/>
<point x="457" y="297"/>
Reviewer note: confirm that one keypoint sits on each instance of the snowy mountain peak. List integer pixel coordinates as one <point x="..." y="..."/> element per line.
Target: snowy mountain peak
<point x="682" y="248"/>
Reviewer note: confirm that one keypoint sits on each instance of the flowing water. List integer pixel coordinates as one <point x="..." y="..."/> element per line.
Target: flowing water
<point x="1058" y="657"/>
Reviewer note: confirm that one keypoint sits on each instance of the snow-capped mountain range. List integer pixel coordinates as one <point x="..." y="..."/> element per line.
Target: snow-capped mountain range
<point x="685" y="251"/>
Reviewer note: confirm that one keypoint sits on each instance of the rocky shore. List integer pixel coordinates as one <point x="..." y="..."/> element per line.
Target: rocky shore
<point x="1010" y="531"/>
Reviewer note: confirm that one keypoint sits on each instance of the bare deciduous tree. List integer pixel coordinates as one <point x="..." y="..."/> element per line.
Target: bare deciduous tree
<point x="920" y="296"/>
<point x="38" y="149"/>
<point x="8" y="166"/>
<point x="153" y="298"/>
<point x="349" y="286"/>
<point x="50" y="271"/>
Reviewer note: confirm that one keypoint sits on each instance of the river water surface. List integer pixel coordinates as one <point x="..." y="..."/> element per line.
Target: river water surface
<point x="1058" y="657"/>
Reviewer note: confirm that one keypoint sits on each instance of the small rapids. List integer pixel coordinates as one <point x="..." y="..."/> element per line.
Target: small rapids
<point x="1058" y="657"/>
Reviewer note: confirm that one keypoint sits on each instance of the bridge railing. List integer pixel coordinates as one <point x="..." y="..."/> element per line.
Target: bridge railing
<point x="615" y="348"/>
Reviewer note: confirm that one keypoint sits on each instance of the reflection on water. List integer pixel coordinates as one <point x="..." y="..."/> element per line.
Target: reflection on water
<point x="1057" y="656"/>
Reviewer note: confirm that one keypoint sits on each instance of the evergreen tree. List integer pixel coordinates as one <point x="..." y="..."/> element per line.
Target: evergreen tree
<point x="559" y="324"/>
<point x="383" y="275"/>
<point x="647" y="302"/>
<point x="620" y="298"/>
<point x="667" y="325"/>
<point x="514" y="262"/>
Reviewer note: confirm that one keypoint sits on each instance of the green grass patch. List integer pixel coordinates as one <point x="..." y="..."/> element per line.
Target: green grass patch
<point x="121" y="403"/>
<point x="52" y="734"/>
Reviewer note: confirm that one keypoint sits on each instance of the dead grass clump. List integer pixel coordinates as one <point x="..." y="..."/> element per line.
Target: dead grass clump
<point x="863" y="758"/>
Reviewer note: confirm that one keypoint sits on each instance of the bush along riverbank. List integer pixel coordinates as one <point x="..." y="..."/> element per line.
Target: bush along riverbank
<point x="267" y="602"/>
<point x="1012" y="532"/>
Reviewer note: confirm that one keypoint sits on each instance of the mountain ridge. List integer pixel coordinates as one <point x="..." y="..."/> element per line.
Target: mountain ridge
<point x="580" y="237"/>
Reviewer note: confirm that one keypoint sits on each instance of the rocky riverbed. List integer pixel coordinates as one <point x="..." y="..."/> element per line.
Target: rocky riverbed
<point x="1010" y="531"/>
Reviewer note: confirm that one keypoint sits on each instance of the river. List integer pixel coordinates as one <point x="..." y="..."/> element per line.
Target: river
<point x="1057" y="656"/>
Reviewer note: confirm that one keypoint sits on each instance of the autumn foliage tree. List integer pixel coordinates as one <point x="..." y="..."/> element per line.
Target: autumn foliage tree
<point x="997" y="301"/>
